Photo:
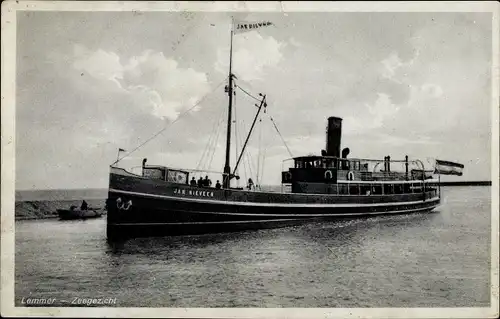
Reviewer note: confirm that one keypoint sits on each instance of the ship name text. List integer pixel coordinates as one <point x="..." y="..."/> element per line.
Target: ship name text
<point x="189" y="192"/>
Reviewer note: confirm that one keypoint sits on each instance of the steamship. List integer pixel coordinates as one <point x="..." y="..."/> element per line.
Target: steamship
<point x="161" y="201"/>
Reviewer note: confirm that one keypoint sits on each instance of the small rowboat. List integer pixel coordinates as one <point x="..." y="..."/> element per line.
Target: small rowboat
<point x="71" y="214"/>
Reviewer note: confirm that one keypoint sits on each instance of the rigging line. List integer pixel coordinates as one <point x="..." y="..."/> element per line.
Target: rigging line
<point x="251" y="165"/>
<point x="259" y="152"/>
<point x="216" y="142"/>
<point x="212" y="133"/>
<point x="248" y="157"/>
<point x="250" y="95"/>
<point x="263" y="161"/>
<point x="235" y="129"/>
<point x="212" y="144"/>
<point x="244" y="162"/>
<point x="264" y="158"/>
<point x="262" y="166"/>
<point x="245" y="157"/>
<point x="282" y="139"/>
<point x="177" y="119"/>
<point x="211" y="137"/>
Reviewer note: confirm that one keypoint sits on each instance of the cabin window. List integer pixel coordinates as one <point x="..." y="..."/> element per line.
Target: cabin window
<point x="177" y="177"/>
<point x="377" y="189"/>
<point x="387" y="189"/>
<point x="417" y="188"/>
<point x="398" y="189"/>
<point x="354" y="189"/>
<point x="333" y="189"/>
<point x="344" y="164"/>
<point x="154" y="173"/>
<point x="365" y="189"/>
<point x="331" y="163"/>
<point x="406" y="188"/>
<point x="355" y="165"/>
<point x="342" y="189"/>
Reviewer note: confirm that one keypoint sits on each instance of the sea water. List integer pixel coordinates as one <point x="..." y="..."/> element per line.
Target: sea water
<point x="439" y="259"/>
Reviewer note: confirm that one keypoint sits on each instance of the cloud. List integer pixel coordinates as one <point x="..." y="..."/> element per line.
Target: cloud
<point x="98" y="64"/>
<point x="155" y="83"/>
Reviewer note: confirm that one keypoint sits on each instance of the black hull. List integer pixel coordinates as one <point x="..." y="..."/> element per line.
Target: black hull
<point x="139" y="207"/>
<point x="123" y="231"/>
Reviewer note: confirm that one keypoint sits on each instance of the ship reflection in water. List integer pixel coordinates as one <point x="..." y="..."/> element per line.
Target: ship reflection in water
<point x="439" y="259"/>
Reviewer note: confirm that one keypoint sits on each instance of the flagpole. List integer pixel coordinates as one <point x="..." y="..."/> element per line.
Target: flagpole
<point x="227" y="169"/>
<point x="118" y="156"/>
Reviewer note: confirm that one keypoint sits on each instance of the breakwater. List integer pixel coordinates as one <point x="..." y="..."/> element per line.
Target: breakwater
<point x="463" y="183"/>
<point x="43" y="209"/>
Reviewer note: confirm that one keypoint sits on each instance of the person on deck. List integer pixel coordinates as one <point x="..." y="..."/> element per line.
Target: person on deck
<point x="250" y="184"/>
<point x="207" y="182"/>
<point x="193" y="181"/>
<point x="84" y="205"/>
<point x="218" y="185"/>
<point x="200" y="182"/>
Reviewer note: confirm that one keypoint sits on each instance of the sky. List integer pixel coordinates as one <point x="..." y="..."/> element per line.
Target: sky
<point x="88" y="83"/>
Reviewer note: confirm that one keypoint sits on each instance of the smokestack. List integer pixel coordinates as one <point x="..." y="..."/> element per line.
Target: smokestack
<point x="333" y="136"/>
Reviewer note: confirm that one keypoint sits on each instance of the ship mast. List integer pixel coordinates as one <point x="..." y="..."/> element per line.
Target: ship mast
<point x="229" y="89"/>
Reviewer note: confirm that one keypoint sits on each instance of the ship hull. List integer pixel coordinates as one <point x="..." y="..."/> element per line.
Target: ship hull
<point x="139" y="207"/>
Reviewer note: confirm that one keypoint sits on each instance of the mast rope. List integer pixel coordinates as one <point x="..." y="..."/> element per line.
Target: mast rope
<point x="282" y="139"/>
<point x="244" y="161"/>
<point x="174" y="121"/>
<point x="248" y="157"/>
<point x="235" y="129"/>
<point x="205" y="151"/>
<point x="215" y="127"/>
<point x="262" y="167"/>
<point x="259" y="154"/>
<point x="216" y="142"/>
<point x="244" y="91"/>
<point x="263" y="160"/>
